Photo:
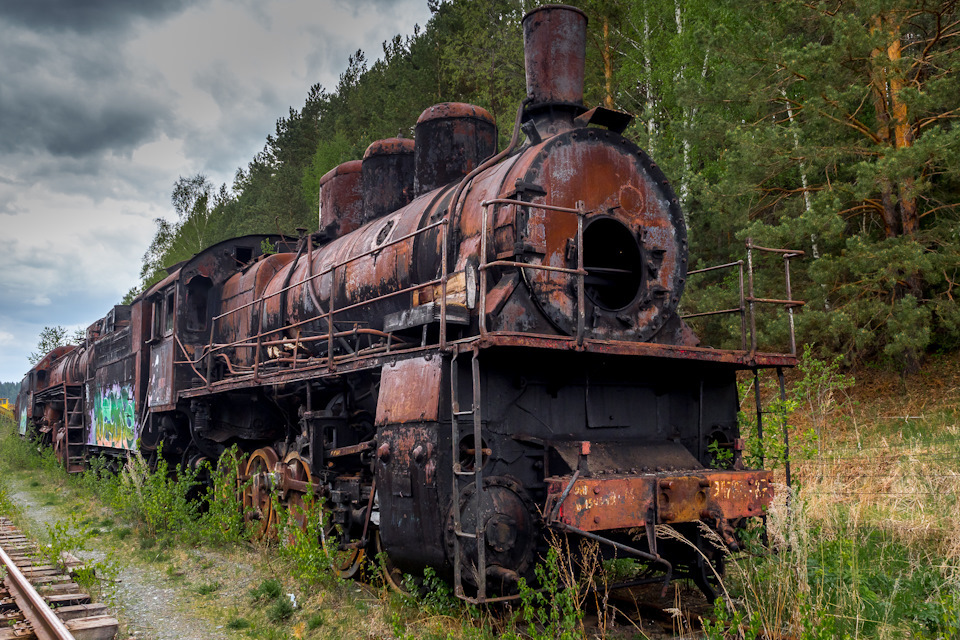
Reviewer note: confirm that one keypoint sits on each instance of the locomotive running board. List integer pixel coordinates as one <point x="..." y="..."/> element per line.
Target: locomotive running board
<point x="623" y="501"/>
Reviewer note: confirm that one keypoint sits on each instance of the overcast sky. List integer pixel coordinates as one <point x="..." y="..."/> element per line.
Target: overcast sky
<point x="105" y="103"/>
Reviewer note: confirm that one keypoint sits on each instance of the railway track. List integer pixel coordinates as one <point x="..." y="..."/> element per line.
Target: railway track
<point x="41" y="601"/>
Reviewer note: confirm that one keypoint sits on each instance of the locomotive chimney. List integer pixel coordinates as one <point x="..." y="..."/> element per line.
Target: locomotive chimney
<point x="341" y="200"/>
<point x="386" y="177"/>
<point x="554" y="52"/>
<point x="452" y="139"/>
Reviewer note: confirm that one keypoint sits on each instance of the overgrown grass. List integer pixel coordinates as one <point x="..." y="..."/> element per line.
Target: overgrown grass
<point x="865" y="543"/>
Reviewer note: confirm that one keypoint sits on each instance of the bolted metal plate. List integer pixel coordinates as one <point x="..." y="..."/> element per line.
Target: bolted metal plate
<point x="623" y="501"/>
<point x="410" y="391"/>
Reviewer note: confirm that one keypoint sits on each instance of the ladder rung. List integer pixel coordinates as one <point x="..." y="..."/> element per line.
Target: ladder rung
<point x="465" y="473"/>
<point x="464" y="534"/>
<point x="463" y="413"/>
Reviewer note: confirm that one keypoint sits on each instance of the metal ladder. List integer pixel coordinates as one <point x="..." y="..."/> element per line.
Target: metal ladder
<point x="73" y="423"/>
<point x="458" y="416"/>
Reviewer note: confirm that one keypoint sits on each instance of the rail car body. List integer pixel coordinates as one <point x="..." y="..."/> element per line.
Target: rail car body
<point x="474" y="348"/>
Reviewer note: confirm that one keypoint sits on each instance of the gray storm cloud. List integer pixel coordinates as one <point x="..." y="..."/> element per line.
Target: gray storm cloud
<point x="84" y="16"/>
<point x="104" y="103"/>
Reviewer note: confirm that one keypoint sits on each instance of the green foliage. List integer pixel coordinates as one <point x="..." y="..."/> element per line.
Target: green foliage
<point x="7" y="507"/>
<point x="221" y="518"/>
<point x="207" y="588"/>
<point x="160" y="500"/>
<point x="819" y="387"/>
<point x="309" y="542"/>
<point x="852" y="582"/>
<point x="281" y="609"/>
<point x="71" y="536"/>
<point x="316" y="621"/>
<point x="722" y="456"/>
<point x="770" y="451"/>
<point x="198" y="207"/>
<point x="431" y="593"/>
<point x="50" y="338"/>
<point x="238" y="624"/>
<point x="552" y="611"/>
<point x="268" y="590"/>
<point x="267" y="248"/>
<point x="820" y="391"/>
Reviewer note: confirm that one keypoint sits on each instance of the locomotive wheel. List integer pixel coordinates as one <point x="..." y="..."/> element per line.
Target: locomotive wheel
<point x="257" y="495"/>
<point x="352" y="562"/>
<point x="392" y="576"/>
<point x="352" y="565"/>
<point x="296" y="468"/>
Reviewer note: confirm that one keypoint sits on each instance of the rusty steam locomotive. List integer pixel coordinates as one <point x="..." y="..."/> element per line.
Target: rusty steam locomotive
<point x="474" y="348"/>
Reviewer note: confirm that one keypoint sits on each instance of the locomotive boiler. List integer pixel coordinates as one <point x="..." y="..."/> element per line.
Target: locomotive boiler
<point x="473" y="349"/>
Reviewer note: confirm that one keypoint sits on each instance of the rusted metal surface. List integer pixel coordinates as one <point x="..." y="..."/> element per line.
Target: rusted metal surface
<point x="239" y="309"/>
<point x="41" y="377"/>
<point x="341" y="200"/>
<point x="406" y="475"/>
<point x="634" y="246"/>
<point x="387" y="177"/>
<point x="595" y="504"/>
<point x="625" y="501"/>
<point x="558" y="265"/>
<point x="160" y="389"/>
<point x="320" y="369"/>
<point x="410" y="391"/>
<point x="452" y="139"/>
<point x="554" y="43"/>
<point x="50" y="369"/>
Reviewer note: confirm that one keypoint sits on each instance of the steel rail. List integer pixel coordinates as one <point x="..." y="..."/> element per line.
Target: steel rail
<point x="45" y="623"/>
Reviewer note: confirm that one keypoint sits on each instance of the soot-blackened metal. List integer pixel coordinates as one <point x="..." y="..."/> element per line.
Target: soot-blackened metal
<point x="452" y="139"/>
<point x="341" y="200"/>
<point x="386" y="177"/>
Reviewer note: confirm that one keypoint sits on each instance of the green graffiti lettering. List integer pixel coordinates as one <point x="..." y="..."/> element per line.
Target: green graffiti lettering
<point x="113" y="418"/>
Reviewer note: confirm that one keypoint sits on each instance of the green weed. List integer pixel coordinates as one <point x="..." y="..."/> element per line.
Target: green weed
<point x="222" y="520"/>
<point x="208" y="588"/>
<point x="98" y="578"/>
<point x="309" y="542"/>
<point x="269" y="589"/>
<point x="553" y="611"/>
<point x="281" y="609"/>
<point x="160" y="499"/>
<point x="238" y="623"/>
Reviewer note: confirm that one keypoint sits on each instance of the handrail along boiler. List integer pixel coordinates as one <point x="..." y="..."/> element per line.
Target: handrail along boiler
<point x="474" y="348"/>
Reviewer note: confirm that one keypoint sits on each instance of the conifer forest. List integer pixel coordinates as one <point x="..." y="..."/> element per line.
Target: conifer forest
<point x="828" y="127"/>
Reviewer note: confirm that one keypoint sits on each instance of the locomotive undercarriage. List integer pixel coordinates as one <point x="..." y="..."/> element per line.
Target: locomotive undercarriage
<point x="595" y="447"/>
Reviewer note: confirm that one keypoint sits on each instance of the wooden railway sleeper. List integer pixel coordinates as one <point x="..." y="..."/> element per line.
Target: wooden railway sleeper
<point x="32" y="588"/>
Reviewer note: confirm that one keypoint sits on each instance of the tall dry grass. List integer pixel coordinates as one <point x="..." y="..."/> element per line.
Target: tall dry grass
<point x="866" y="544"/>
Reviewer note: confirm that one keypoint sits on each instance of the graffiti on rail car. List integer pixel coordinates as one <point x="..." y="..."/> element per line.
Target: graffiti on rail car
<point x="113" y="418"/>
<point x="23" y="421"/>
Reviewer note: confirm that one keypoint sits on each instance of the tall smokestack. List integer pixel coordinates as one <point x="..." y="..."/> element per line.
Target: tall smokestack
<point x="554" y="52"/>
